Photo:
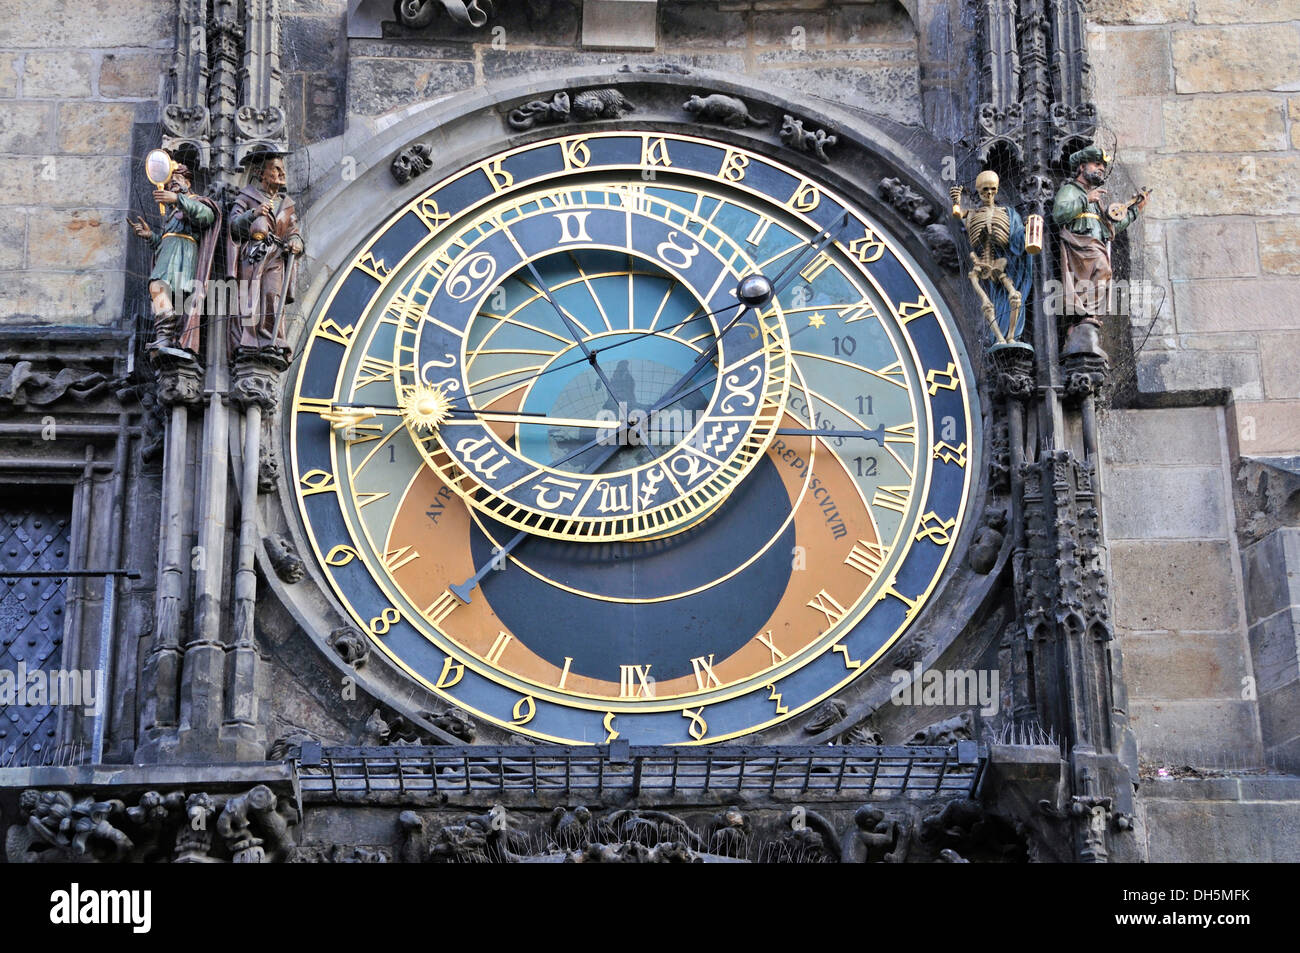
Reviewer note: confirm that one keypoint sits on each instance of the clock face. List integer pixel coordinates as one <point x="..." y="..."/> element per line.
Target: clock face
<point x="571" y="471"/>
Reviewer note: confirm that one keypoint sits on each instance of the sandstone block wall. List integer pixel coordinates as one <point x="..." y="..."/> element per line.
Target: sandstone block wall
<point x="1204" y="100"/>
<point x="75" y="75"/>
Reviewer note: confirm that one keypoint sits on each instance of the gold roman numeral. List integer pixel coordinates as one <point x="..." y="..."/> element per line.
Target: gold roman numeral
<point x="892" y="497"/>
<point x="766" y="639"/>
<point x="867" y="558"/>
<point x="827" y="605"/>
<point x="704" y="677"/>
<point x="502" y="640"/>
<point x="634" y="681"/>
<point x="440" y="608"/>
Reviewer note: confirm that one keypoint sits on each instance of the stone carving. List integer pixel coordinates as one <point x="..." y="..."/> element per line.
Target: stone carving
<point x="1083" y="371"/>
<point x="1013" y="371"/>
<point x="454" y="721"/>
<point x="806" y="837"/>
<point x="907" y="201"/>
<point x="942" y="247"/>
<point x="652" y="827"/>
<point x="1087" y="227"/>
<point x="877" y="837"/>
<point x="256" y="379"/>
<point x="482" y="839"/>
<point x="23" y="384"/>
<point x="1000" y="269"/>
<point x="415" y="159"/>
<point x="418" y="14"/>
<point x="946" y="732"/>
<point x="284" y="558"/>
<point x="268" y="461"/>
<point x="573" y="828"/>
<point x="381" y="732"/>
<point x="58" y="826"/>
<point x="255" y="826"/>
<point x="724" y="110"/>
<point x="182" y="260"/>
<point x="194" y="838"/>
<point x="540" y="112"/>
<point x="831" y="712"/>
<point x="284" y="747"/>
<point x="351" y="645"/>
<point x="601" y="104"/>
<point x="988" y="540"/>
<point x="729" y="833"/>
<point x="263" y="245"/>
<point x="913" y="650"/>
<point x="816" y="142"/>
<point x="1000" y="457"/>
<point x="968" y="830"/>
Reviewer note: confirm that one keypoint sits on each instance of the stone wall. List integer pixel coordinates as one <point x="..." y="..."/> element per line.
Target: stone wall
<point x="1204" y="102"/>
<point x="75" y="75"/>
<point x="1201" y="100"/>
<point x="1176" y="579"/>
<point x="864" y="54"/>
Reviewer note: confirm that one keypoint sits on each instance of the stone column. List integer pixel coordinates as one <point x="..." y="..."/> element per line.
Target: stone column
<point x="179" y="388"/>
<point x="256" y="382"/>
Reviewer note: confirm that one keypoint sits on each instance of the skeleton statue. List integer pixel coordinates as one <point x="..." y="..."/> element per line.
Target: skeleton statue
<point x="1001" y="270"/>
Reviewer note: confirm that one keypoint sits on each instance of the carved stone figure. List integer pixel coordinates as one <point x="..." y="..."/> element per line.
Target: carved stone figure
<point x="942" y="247"/>
<point x="194" y="837"/>
<point x="572" y="829"/>
<point x="415" y="839"/>
<point x="455" y="722"/>
<point x="966" y="827"/>
<point x="729" y="833"/>
<point x="907" y="200"/>
<point x="947" y="732"/>
<point x="22" y="384"/>
<point x="262" y="249"/>
<point x="724" y="110"/>
<point x="351" y="645"/>
<point x="988" y="540"/>
<point x="414" y="160"/>
<point x="601" y="104"/>
<point x="255" y="826"/>
<point x="284" y="558"/>
<point x="182" y="260"/>
<point x="1086" y="230"/>
<point x="652" y="827"/>
<point x="806" y="837"/>
<point x="1000" y="271"/>
<point x="877" y="837"/>
<point x="817" y="141"/>
<point x="540" y="112"/>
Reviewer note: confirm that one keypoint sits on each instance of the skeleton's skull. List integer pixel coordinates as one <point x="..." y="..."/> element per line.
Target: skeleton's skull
<point x="986" y="183"/>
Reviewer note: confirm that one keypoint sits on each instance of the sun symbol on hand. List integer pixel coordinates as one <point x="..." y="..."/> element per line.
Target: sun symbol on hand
<point x="425" y="407"/>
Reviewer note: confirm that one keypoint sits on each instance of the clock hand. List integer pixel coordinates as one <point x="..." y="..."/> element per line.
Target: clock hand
<point x="778" y="285"/>
<point x="575" y="334"/>
<point x="464" y="591"/>
<point x="753" y="292"/>
<point x="352" y="414"/>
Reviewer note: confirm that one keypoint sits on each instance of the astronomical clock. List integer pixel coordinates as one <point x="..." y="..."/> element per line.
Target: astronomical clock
<point x="631" y="434"/>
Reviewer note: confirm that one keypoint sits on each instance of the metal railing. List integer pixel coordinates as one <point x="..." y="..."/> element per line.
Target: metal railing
<point x="831" y="771"/>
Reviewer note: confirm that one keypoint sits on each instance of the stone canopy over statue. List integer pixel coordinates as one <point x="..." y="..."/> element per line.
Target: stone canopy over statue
<point x="262" y="250"/>
<point x="1001" y="270"/>
<point x="182" y="263"/>
<point x="1087" y="227"/>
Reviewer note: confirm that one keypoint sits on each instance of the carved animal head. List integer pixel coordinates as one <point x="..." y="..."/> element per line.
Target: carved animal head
<point x="693" y="105"/>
